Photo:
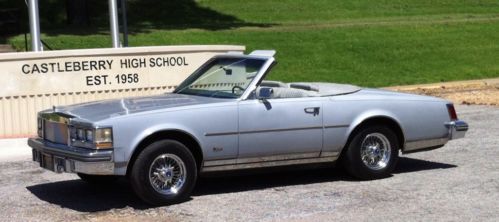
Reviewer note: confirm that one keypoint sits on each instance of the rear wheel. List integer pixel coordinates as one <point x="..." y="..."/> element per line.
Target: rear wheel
<point x="164" y="173"/>
<point x="372" y="153"/>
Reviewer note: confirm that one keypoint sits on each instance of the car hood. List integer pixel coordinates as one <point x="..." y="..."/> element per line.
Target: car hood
<point x="99" y="110"/>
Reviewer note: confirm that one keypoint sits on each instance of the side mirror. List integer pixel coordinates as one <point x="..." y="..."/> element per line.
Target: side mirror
<point x="264" y="93"/>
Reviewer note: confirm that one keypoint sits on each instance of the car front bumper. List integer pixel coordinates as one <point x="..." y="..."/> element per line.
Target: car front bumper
<point x="457" y="129"/>
<point x="61" y="158"/>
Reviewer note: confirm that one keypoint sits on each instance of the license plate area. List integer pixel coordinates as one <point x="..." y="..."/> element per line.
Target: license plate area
<point x="51" y="162"/>
<point x="60" y="164"/>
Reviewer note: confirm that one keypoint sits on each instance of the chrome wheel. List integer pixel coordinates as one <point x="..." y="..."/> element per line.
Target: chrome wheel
<point x="167" y="174"/>
<point x="375" y="151"/>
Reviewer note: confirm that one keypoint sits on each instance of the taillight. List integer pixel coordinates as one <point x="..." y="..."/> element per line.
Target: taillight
<point x="452" y="112"/>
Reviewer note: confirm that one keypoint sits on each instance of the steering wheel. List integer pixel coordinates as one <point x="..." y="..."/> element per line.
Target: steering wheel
<point x="236" y="87"/>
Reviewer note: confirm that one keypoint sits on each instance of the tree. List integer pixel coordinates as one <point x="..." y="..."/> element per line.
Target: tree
<point x="77" y="12"/>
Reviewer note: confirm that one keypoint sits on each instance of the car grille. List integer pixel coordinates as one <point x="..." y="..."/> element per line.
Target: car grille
<point x="55" y="132"/>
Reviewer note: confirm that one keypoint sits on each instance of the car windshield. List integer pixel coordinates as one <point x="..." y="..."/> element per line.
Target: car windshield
<point x="222" y="78"/>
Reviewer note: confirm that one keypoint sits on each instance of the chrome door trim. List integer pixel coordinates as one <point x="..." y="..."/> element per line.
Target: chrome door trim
<point x="278" y="157"/>
<point x="336" y="126"/>
<point x="221" y="134"/>
<point x="268" y="164"/>
<point x="263" y="131"/>
<point x="329" y="154"/>
<point x="273" y="130"/>
<point x="219" y="162"/>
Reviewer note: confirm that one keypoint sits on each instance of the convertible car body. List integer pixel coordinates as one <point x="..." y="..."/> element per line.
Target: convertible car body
<point x="225" y="116"/>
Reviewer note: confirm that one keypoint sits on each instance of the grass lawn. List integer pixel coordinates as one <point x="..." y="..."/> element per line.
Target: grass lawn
<point x="368" y="43"/>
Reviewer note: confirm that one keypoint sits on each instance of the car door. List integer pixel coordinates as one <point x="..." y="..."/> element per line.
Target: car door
<point x="279" y="129"/>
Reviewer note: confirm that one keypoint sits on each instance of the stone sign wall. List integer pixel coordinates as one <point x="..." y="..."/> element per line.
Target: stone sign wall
<point x="33" y="81"/>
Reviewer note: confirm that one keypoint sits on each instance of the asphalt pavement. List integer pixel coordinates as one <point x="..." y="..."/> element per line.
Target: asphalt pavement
<point x="459" y="182"/>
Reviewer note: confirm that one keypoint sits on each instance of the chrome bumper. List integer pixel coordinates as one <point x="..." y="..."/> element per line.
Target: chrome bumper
<point x="60" y="158"/>
<point x="457" y="129"/>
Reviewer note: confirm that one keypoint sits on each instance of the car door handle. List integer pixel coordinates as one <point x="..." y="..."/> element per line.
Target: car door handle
<point x="312" y="110"/>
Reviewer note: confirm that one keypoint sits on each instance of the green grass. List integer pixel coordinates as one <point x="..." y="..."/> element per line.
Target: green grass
<point x="363" y="42"/>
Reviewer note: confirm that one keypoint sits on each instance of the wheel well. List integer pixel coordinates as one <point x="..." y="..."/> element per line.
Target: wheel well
<point x="176" y="135"/>
<point x="383" y="121"/>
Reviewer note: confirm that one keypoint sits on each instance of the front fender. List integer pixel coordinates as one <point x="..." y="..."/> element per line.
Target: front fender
<point x="156" y="129"/>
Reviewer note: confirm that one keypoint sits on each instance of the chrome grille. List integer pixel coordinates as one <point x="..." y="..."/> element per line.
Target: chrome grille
<point x="55" y="131"/>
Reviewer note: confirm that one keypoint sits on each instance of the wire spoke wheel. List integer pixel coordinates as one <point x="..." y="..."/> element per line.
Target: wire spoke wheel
<point x="167" y="174"/>
<point x="372" y="153"/>
<point x="375" y="151"/>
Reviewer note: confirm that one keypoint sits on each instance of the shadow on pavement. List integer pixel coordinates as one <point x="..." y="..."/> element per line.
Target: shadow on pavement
<point x="80" y="196"/>
<point x="83" y="197"/>
<point x="409" y="165"/>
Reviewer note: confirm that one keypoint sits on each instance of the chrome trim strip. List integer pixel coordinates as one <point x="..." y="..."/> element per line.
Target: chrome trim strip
<point x="426" y="143"/>
<point x="278" y="157"/>
<point x="219" y="162"/>
<point x="221" y="134"/>
<point x="268" y="164"/>
<point x="56" y="117"/>
<point x="273" y="130"/>
<point x="261" y="159"/>
<point x="329" y="154"/>
<point x="337" y="126"/>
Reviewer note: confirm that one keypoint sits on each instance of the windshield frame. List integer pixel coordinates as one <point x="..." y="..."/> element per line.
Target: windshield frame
<point x="250" y="87"/>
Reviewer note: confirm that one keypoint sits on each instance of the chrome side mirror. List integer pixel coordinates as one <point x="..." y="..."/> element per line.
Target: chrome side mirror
<point x="264" y="93"/>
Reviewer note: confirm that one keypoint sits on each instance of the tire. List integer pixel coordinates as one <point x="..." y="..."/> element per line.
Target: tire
<point x="98" y="179"/>
<point x="372" y="153"/>
<point x="164" y="173"/>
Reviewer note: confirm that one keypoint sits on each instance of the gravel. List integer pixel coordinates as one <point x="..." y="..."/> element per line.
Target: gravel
<point x="470" y="92"/>
<point x="459" y="182"/>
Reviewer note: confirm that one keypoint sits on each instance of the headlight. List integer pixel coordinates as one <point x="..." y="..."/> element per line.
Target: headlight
<point x="89" y="135"/>
<point x="101" y="138"/>
<point x="103" y="135"/>
<point x="104" y="138"/>
<point x="80" y="134"/>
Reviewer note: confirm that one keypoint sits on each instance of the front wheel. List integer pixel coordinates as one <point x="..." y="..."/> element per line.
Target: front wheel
<point x="164" y="173"/>
<point x="372" y="153"/>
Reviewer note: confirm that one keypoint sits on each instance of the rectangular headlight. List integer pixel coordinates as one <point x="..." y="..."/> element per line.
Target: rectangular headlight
<point x="104" y="138"/>
<point x="89" y="135"/>
<point x="80" y="134"/>
<point x="101" y="138"/>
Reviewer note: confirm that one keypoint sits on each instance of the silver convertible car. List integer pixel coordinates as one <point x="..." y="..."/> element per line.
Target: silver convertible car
<point x="226" y="116"/>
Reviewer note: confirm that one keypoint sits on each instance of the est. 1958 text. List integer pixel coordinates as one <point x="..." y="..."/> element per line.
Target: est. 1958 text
<point x="97" y="80"/>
